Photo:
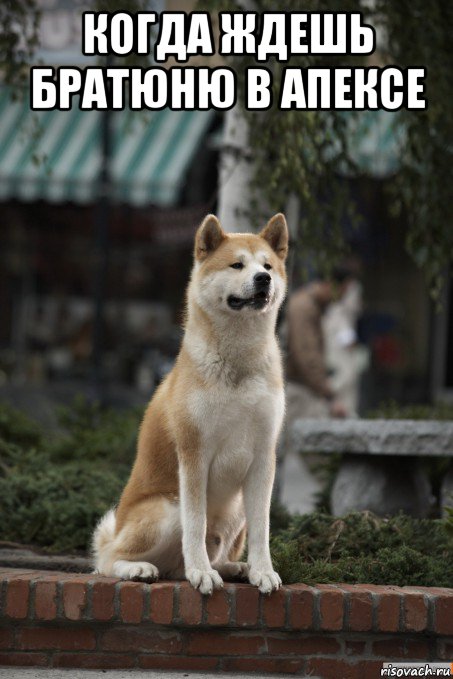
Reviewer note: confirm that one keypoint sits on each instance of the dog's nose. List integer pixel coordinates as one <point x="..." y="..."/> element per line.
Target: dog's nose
<point x="262" y="279"/>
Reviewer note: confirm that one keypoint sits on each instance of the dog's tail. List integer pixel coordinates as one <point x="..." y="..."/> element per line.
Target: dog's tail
<point x="103" y="537"/>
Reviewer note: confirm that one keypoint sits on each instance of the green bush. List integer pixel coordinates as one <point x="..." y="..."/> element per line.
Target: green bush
<point x="391" y="410"/>
<point x="54" y="489"/>
<point x="361" y="547"/>
<point x="54" y="506"/>
<point x="91" y="433"/>
<point x="15" y="427"/>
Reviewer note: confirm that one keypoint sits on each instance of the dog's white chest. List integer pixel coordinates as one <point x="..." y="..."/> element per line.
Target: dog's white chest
<point x="235" y="423"/>
<point x="225" y="413"/>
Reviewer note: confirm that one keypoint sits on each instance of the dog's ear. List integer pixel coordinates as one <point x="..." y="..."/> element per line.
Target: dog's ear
<point x="209" y="236"/>
<point x="276" y="234"/>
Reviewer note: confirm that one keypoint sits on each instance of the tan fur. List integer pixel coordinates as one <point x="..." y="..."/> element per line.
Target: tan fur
<point x="206" y="448"/>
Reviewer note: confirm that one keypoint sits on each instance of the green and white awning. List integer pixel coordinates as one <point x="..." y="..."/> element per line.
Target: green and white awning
<point x="56" y="155"/>
<point x="376" y="141"/>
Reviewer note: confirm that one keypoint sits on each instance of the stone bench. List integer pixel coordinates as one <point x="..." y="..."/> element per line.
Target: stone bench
<point x="380" y="470"/>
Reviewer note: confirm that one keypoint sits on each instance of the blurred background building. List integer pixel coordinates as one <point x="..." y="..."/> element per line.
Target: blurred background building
<point x="98" y="213"/>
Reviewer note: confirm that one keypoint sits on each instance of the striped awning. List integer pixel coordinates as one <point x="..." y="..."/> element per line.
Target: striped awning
<point x="376" y="140"/>
<point x="56" y="155"/>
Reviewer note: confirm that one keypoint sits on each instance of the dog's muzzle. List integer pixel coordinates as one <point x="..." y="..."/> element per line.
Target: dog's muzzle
<point x="260" y="298"/>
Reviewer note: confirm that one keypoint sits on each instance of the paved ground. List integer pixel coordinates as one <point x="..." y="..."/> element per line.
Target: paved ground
<point x="29" y="673"/>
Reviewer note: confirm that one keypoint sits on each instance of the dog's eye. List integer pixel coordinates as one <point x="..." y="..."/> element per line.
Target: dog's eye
<point x="268" y="267"/>
<point x="237" y="265"/>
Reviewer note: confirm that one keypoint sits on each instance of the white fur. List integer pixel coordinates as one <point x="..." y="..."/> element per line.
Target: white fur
<point x="166" y="552"/>
<point x="135" y="570"/>
<point x="103" y="537"/>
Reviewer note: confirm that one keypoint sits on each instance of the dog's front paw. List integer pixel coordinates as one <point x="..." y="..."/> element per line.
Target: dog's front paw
<point x="234" y="569"/>
<point x="204" y="580"/>
<point x="266" y="581"/>
<point x="135" y="570"/>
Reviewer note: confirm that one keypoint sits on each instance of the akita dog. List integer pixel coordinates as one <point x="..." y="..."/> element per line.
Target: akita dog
<point x="205" y="462"/>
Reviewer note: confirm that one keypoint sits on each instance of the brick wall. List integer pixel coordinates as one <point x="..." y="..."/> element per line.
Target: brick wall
<point x="332" y="631"/>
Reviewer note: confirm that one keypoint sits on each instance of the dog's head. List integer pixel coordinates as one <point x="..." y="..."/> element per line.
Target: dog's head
<point x="240" y="273"/>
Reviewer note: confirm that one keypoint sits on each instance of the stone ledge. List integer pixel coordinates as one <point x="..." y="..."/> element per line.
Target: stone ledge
<point x="30" y="559"/>
<point x="374" y="437"/>
<point x="67" y="620"/>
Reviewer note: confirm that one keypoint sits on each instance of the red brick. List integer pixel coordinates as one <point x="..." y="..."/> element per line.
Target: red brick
<point x="301" y="606"/>
<point x="131" y="601"/>
<point x="247" y="605"/>
<point x="103" y="602"/>
<point x="53" y="576"/>
<point x="273" y="609"/>
<point x="124" y="639"/>
<point x="161" y="610"/>
<point x="329" y="668"/>
<point x="360" y="611"/>
<point x="369" y="669"/>
<point x="444" y="650"/>
<point x="389" y="648"/>
<point x="212" y="643"/>
<point x="282" y="665"/>
<point x="17" y="597"/>
<point x="218" y="608"/>
<point x="415" y="612"/>
<point x="295" y="644"/>
<point x="40" y="638"/>
<point x="401" y="648"/>
<point x="74" y="599"/>
<point x="24" y="659"/>
<point x="190" y="604"/>
<point x="375" y="589"/>
<point x="95" y="661"/>
<point x="388" y="612"/>
<point x="444" y="615"/>
<point x="6" y="638"/>
<point x="8" y="572"/>
<point x="86" y="578"/>
<point x="353" y="647"/>
<point x="162" y="662"/>
<point x="331" y="608"/>
<point x="417" y="649"/>
<point x="46" y="600"/>
<point x="434" y="591"/>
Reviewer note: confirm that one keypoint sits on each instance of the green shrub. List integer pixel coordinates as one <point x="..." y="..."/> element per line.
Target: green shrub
<point x="53" y="506"/>
<point x="392" y="410"/>
<point x="16" y="427"/>
<point x="90" y="432"/>
<point x="53" y="490"/>
<point x="361" y="547"/>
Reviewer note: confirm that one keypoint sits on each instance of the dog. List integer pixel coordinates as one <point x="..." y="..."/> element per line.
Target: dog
<point x="205" y="463"/>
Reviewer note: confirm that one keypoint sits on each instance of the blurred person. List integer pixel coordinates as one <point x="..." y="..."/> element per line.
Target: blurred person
<point x="310" y="393"/>
<point x="346" y="359"/>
